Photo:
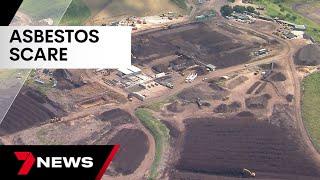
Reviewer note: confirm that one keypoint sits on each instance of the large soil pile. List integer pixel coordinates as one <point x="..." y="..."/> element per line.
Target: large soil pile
<point x="133" y="148"/>
<point x="308" y="55"/>
<point x="30" y="108"/>
<point x="116" y="117"/>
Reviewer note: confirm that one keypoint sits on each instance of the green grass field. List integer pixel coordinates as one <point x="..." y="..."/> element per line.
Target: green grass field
<point x="77" y="13"/>
<point x="180" y="3"/>
<point x="161" y="136"/>
<point x="311" y="108"/>
<point x="40" y="9"/>
<point x="284" y="8"/>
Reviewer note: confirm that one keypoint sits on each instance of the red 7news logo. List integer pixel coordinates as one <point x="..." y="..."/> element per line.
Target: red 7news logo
<point x="28" y="159"/>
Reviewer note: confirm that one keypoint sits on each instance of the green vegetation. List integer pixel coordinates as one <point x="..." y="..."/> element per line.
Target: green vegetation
<point x="158" y="105"/>
<point x="227" y="10"/>
<point x="231" y="1"/>
<point x="161" y="136"/>
<point x="45" y="8"/>
<point x="180" y="3"/>
<point x="76" y="14"/>
<point x="310" y="107"/>
<point x="283" y="10"/>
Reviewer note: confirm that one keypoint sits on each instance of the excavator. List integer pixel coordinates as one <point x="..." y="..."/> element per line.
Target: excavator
<point x="247" y="173"/>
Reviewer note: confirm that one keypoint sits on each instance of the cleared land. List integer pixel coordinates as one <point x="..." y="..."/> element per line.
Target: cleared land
<point x="226" y="146"/>
<point x="192" y="42"/>
<point x="33" y="107"/>
<point x="310" y="107"/>
<point x="133" y="148"/>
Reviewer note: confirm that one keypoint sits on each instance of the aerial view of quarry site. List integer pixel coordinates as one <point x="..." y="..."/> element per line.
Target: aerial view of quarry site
<point x="218" y="89"/>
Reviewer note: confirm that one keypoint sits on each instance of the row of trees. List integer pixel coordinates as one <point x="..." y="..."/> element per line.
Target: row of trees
<point x="227" y="10"/>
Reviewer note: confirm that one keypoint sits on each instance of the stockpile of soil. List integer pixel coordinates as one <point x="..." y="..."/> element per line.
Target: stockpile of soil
<point x="68" y="79"/>
<point x="253" y="87"/>
<point x="133" y="148"/>
<point x="193" y="94"/>
<point x="173" y="131"/>
<point x="175" y="107"/>
<point x="201" y="70"/>
<point x="289" y="97"/>
<point x="283" y="116"/>
<point x="216" y="87"/>
<point x="245" y="114"/>
<point x="278" y="77"/>
<point x="160" y="68"/>
<point x="30" y="108"/>
<point x="116" y="117"/>
<point x="224" y="108"/>
<point x="226" y="146"/>
<point x="261" y="88"/>
<point x="258" y="102"/>
<point x="308" y="55"/>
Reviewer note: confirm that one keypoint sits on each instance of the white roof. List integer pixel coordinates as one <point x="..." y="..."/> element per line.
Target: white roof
<point x="129" y="70"/>
<point x="134" y="69"/>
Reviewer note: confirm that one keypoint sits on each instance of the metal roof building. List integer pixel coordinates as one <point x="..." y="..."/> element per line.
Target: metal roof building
<point x="131" y="70"/>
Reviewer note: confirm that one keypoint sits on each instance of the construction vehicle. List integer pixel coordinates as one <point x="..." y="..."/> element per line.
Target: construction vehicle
<point x="247" y="173"/>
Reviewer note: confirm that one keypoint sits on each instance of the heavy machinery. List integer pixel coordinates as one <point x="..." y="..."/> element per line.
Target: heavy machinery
<point x="247" y="173"/>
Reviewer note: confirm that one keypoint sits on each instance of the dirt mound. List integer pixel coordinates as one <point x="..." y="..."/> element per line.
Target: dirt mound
<point x="116" y="117"/>
<point x="245" y="114"/>
<point x="175" y="107"/>
<point x="278" y="77"/>
<point x="224" y="108"/>
<point x="174" y="132"/>
<point x="200" y="70"/>
<point x="283" y="116"/>
<point x="257" y="102"/>
<point x="308" y="55"/>
<point x="214" y="86"/>
<point x="133" y="148"/>
<point x="253" y="87"/>
<point x="68" y="79"/>
<point x="289" y="97"/>
<point x="197" y="40"/>
<point x="193" y="94"/>
<point x="225" y="146"/>
<point x="30" y="108"/>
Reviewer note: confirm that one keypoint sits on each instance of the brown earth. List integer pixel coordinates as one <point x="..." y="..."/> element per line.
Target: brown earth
<point x="133" y="148"/>
<point x="194" y="40"/>
<point x="116" y="117"/>
<point x="308" y="55"/>
<point x="257" y="102"/>
<point x="278" y="77"/>
<point x="30" y="108"/>
<point x="224" y="147"/>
